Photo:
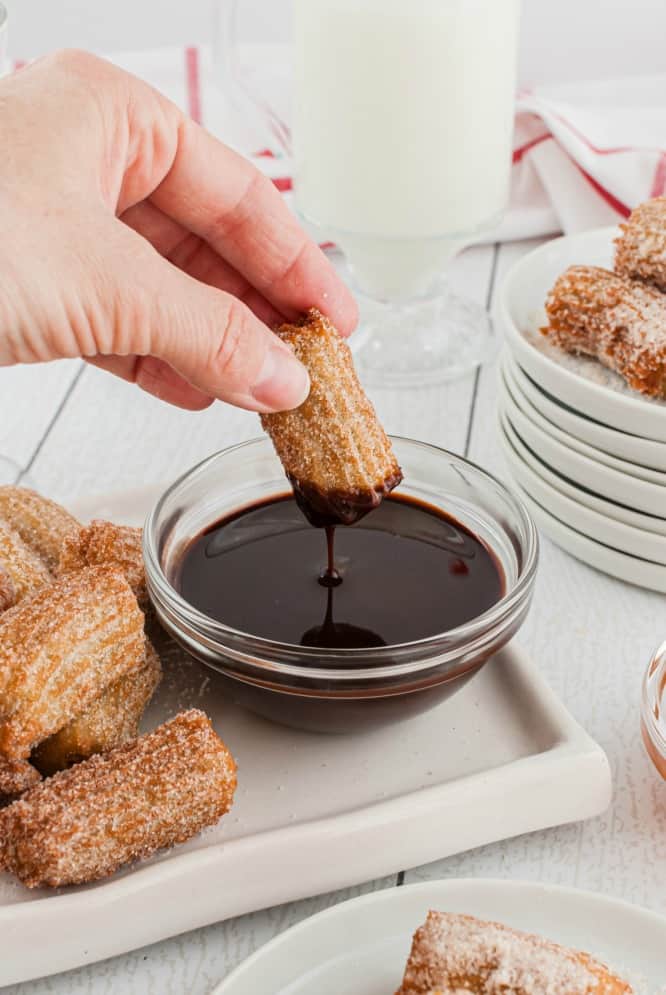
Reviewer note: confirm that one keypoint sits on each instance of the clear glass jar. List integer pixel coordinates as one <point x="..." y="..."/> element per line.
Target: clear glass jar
<point x="341" y="689"/>
<point x="653" y="709"/>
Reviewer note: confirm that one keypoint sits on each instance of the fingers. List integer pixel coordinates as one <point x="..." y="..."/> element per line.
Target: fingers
<point x="218" y="195"/>
<point x="157" y="378"/>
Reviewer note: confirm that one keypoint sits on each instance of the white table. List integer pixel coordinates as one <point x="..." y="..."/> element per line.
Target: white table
<point x="79" y="431"/>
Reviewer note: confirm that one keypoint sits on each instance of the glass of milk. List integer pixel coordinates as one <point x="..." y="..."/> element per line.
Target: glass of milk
<point x="401" y="128"/>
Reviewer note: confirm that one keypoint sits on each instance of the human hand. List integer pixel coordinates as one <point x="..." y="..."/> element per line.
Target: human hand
<point x="133" y="238"/>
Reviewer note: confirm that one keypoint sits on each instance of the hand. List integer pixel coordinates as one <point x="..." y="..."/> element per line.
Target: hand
<point x="133" y="238"/>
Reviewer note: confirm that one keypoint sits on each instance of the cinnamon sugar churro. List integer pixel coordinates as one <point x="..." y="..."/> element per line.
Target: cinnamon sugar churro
<point x="640" y="251"/>
<point x="43" y="525"/>
<point x="333" y="449"/>
<point x="102" y="543"/>
<point x="457" y="953"/>
<point x="620" y="322"/>
<point x="16" y="776"/>
<point x="110" y="721"/>
<point x="60" y="649"/>
<point x="86" y="822"/>
<point x="21" y="570"/>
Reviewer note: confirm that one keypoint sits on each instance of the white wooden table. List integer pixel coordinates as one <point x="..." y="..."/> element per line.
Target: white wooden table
<point x="77" y="431"/>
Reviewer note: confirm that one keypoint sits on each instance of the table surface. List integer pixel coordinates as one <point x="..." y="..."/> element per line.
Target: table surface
<point x="77" y="431"/>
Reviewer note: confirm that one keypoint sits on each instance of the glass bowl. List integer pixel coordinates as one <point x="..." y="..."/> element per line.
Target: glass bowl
<point x="341" y="690"/>
<point x="653" y="709"/>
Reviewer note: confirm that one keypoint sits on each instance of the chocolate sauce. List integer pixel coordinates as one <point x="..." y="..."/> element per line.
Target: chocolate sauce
<point x="405" y="572"/>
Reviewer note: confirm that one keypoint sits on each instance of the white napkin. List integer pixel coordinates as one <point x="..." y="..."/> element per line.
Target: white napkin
<point x="584" y="154"/>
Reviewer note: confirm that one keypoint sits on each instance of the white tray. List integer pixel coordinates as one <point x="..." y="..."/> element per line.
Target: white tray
<point x="317" y="813"/>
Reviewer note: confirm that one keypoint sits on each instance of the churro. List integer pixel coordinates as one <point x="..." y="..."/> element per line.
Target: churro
<point x="60" y="649"/>
<point x="457" y="953"/>
<point x="21" y="571"/>
<point x="640" y="252"/>
<point x="108" y="722"/>
<point x="333" y="449"/>
<point x="16" y="776"/>
<point x="43" y="525"/>
<point x="622" y="323"/>
<point x="86" y="822"/>
<point x="102" y="543"/>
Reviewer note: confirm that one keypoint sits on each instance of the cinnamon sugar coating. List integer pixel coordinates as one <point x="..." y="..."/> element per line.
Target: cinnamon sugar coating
<point x="43" y="525"/>
<point x="16" y="776"/>
<point x="333" y="449"/>
<point x="455" y="954"/>
<point x="640" y="252"/>
<point x="21" y="571"/>
<point x="60" y="649"/>
<point x="622" y="323"/>
<point x="102" y="543"/>
<point x="86" y="822"/>
<point x="110" y="721"/>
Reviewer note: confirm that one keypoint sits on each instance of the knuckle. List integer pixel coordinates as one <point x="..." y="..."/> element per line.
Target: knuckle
<point x="228" y="357"/>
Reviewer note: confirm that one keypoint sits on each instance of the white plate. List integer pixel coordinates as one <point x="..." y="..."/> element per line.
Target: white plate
<point x="629" y="568"/>
<point x="315" y="813"/>
<point x="582" y="384"/>
<point x="627" y="539"/>
<point x="360" y="947"/>
<point x="609" y="509"/>
<point x="641" y="452"/>
<point x="571" y="442"/>
<point x="612" y="484"/>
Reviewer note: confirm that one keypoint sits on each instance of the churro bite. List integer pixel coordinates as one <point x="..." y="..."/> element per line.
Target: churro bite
<point x="640" y="251"/>
<point x="620" y="322"/>
<point x="333" y="449"/>
<point x="60" y="649"/>
<point x="104" y="544"/>
<point x="461" y="955"/>
<point x="16" y="776"/>
<point x="86" y="822"/>
<point x="43" y="525"/>
<point x="21" y="570"/>
<point x="110" y="721"/>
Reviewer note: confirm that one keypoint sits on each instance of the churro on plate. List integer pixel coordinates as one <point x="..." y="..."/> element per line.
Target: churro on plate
<point x="640" y="251"/>
<point x="21" y="570"/>
<point x="455" y="954"/>
<point x="43" y="525"/>
<point x="102" y="543"/>
<point x="60" y="649"/>
<point x="622" y="323"/>
<point x="86" y="822"/>
<point x="333" y="449"/>
<point x="110" y="721"/>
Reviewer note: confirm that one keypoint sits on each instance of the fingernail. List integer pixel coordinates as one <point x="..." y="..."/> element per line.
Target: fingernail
<point x="283" y="383"/>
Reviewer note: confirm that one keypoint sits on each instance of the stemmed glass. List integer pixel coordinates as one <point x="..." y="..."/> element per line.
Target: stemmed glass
<point x="400" y="145"/>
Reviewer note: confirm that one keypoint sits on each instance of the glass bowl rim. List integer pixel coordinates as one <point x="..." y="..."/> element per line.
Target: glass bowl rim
<point x="651" y="701"/>
<point x="309" y="658"/>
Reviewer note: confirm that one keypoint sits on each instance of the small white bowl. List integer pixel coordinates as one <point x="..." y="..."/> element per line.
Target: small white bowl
<point x="608" y="509"/>
<point x="610" y="561"/>
<point x="641" y="452"/>
<point x="521" y="304"/>
<point x="610" y="483"/>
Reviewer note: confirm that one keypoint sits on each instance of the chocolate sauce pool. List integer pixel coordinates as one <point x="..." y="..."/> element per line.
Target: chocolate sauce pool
<point x="405" y="572"/>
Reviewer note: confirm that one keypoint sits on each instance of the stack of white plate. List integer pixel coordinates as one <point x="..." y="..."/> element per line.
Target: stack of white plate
<point x="587" y="455"/>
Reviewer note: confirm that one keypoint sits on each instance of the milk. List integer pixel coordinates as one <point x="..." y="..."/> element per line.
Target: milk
<point x="402" y="128"/>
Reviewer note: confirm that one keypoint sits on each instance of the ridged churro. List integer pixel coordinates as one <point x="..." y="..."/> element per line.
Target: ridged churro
<point x="42" y="524"/>
<point x="86" y="822"/>
<point x="334" y="451"/>
<point x="110" y="721"/>
<point x="21" y="571"/>
<point x="622" y="323"/>
<point x="16" y="776"/>
<point x="640" y="252"/>
<point x="102" y="543"/>
<point x="60" y="649"/>
<point x="452" y="954"/>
